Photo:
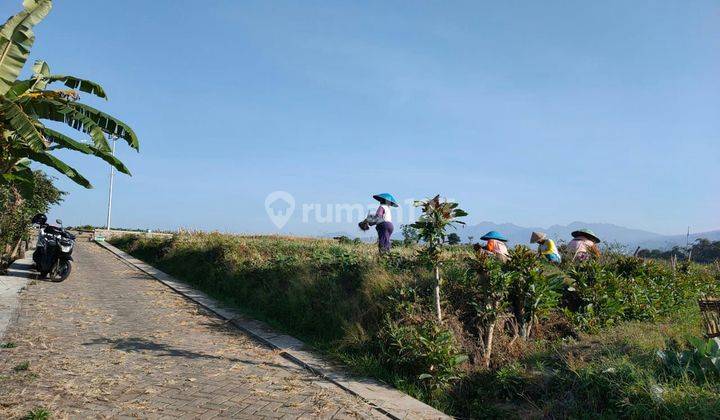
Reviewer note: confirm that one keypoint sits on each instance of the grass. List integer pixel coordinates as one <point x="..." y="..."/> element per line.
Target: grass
<point x="38" y="413"/>
<point x="337" y="297"/>
<point x="613" y="372"/>
<point x="22" y="366"/>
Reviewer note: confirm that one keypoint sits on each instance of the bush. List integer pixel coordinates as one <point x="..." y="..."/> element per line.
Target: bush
<point x="378" y="313"/>
<point x="17" y="211"/>
<point x="423" y="350"/>
<point x="701" y="361"/>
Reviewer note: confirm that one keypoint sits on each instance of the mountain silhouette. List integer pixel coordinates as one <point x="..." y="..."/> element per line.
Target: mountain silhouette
<point x="608" y="232"/>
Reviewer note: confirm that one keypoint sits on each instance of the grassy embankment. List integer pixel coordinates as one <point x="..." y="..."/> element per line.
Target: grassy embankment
<point x="592" y="351"/>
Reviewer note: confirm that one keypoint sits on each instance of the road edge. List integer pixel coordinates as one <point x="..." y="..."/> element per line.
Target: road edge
<point x="384" y="398"/>
<point x="11" y="284"/>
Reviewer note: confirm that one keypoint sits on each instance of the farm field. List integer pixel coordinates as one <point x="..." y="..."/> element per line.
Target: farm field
<point x="613" y="337"/>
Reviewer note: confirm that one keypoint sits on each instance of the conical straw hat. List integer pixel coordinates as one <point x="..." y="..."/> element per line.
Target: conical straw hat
<point x="537" y="237"/>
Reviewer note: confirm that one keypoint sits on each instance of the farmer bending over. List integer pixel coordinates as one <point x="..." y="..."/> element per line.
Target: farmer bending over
<point x="382" y="220"/>
<point x="546" y="247"/>
<point x="496" y="245"/>
<point x="584" y="245"/>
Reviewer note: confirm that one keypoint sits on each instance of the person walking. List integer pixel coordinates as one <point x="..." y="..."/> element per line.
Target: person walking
<point x="584" y="245"/>
<point x="382" y="219"/>
<point x="546" y="247"/>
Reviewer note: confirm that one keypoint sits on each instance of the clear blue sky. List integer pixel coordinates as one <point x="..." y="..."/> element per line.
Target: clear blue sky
<point x="527" y="112"/>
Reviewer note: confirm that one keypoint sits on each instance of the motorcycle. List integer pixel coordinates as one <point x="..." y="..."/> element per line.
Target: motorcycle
<point x="53" y="252"/>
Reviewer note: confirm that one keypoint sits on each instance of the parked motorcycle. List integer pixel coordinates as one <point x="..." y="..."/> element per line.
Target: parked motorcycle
<point x="53" y="252"/>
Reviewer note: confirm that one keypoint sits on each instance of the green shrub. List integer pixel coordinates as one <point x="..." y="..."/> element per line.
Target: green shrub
<point x="39" y="413"/>
<point x="377" y="313"/>
<point x="701" y="362"/>
<point x="533" y="293"/>
<point x="421" y="349"/>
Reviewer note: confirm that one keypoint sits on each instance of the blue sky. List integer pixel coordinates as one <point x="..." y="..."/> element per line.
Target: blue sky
<point x="528" y="112"/>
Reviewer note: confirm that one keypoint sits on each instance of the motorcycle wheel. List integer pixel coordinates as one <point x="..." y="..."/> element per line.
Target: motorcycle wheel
<point x="61" y="271"/>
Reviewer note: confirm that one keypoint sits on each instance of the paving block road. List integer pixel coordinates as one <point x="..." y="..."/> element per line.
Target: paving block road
<point x="111" y="342"/>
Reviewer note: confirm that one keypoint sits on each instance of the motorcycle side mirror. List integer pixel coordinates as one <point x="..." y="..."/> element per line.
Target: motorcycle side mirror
<point x="58" y="221"/>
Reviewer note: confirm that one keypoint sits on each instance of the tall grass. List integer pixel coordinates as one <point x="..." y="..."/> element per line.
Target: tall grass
<point x="585" y="345"/>
<point x="317" y="289"/>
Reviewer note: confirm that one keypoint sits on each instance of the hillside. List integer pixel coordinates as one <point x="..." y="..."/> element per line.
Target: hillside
<point x="608" y="232"/>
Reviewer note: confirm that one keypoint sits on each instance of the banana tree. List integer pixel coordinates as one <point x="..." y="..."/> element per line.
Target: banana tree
<point x="26" y="103"/>
<point x="432" y="225"/>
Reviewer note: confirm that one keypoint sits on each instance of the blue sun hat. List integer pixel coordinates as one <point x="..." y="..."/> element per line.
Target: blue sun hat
<point x="493" y="234"/>
<point x="386" y="198"/>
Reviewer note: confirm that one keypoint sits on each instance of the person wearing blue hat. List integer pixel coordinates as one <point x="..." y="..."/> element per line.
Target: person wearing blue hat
<point x="496" y="244"/>
<point x="382" y="219"/>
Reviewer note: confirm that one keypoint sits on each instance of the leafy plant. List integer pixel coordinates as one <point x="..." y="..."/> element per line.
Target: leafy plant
<point x="421" y="349"/>
<point x="25" y="103"/>
<point x="453" y="239"/>
<point x="437" y="217"/>
<point x="701" y="361"/>
<point x="22" y="366"/>
<point x="378" y="315"/>
<point x="38" y="413"/>
<point x="487" y="295"/>
<point x="532" y="292"/>
<point x="410" y="235"/>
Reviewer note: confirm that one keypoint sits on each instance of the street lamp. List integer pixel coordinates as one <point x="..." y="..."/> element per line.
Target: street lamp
<point x="112" y="179"/>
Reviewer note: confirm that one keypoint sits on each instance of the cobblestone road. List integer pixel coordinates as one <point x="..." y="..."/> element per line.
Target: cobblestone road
<point x="112" y="342"/>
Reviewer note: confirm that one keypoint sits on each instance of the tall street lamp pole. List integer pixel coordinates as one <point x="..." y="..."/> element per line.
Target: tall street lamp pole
<point x="112" y="179"/>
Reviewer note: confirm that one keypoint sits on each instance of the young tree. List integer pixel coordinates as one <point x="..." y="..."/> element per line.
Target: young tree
<point x="489" y="297"/>
<point x="25" y="103"/>
<point x="532" y="291"/>
<point x="453" y="239"/>
<point x="432" y="225"/>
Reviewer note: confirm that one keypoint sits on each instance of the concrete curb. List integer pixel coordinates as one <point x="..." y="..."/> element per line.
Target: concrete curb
<point x="382" y="397"/>
<point x="19" y="275"/>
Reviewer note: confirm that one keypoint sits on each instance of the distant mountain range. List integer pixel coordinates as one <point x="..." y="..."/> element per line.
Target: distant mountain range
<point x="609" y="233"/>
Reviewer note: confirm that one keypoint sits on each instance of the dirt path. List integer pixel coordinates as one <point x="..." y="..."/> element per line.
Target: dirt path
<point x="112" y="342"/>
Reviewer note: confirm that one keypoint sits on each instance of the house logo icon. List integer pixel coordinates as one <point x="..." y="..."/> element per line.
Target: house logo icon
<point x="279" y="206"/>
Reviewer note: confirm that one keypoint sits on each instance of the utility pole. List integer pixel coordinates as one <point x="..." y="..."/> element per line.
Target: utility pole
<point x="112" y="179"/>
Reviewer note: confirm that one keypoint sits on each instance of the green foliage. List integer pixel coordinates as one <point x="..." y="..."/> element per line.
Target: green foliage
<point x="22" y="366"/>
<point x="480" y="292"/>
<point x="701" y="362"/>
<point x="509" y="381"/>
<point x="433" y="224"/>
<point x="421" y="349"/>
<point x="377" y="315"/>
<point x="38" y="413"/>
<point x="533" y="293"/>
<point x="317" y="289"/>
<point x="343" y="239"/>
<point x="16" y="211"/>
<point x="24" y="104"/>
<point x="629" y="288"/>
<point x="453" y="239"/>
<point x="702" y="250"/>
<point x="410" y="235"/>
